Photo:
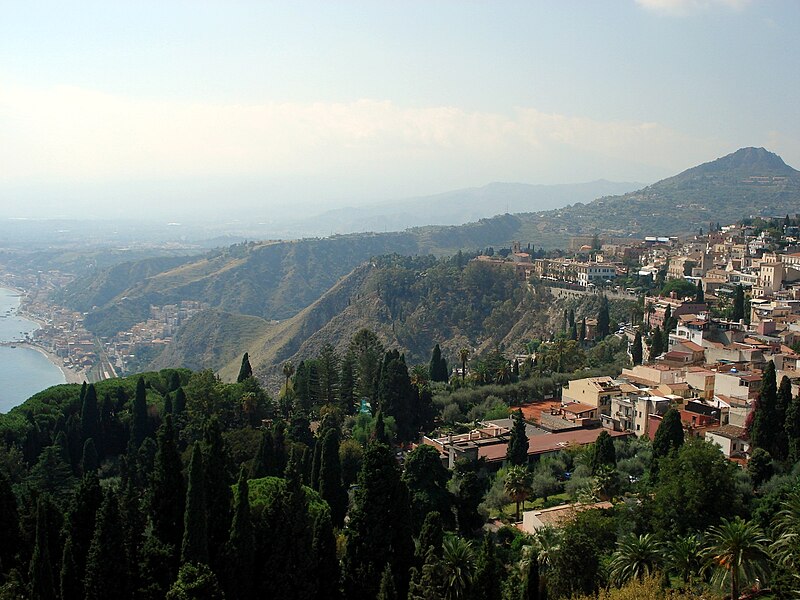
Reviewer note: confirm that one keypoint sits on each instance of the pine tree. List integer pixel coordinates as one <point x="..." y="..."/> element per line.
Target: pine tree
<point x="107" y="562"/>
<point x="195" y="582"/>
<point x="636" y="350"/>
<point x="239" y="550"/>
<point x="139" y="425"/>
<point x="40" y="573"/>
<point x="765" y="419"/>
<point x="330" y="477"/>
<point x="245" y="370"/>
<point x="669" y="435"/>
<point x="167" y="490"/>
<point x="517" y="453"/>
<point x="347" y="383"/>
<point x="488" y="573"/>
<point x="195" y="523"/>
<point x="328" y="363"/>
<point x="603" y="320"/>
<point x="326" y="565"/>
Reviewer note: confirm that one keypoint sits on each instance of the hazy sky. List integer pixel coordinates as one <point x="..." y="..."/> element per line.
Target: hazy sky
<point x="132" y="108"/>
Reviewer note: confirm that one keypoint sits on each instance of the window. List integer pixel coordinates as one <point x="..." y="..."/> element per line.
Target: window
<point x="638" y="427"/>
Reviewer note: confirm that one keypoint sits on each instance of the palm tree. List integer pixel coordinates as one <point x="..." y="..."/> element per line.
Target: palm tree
<point x="419" y="376"/>
<point x="463" y="354"/>
<point x="786" y="547"/>
<point x="635" y="557"/>
<point x="518" y="485"/>
<point x="739" y="551"/>
<point x="547" y="543"/>
<point x="687" y="558"/>
<point x="288" y="371"/>
<point x="459" y="563"/>
<point x="503" y="374"/>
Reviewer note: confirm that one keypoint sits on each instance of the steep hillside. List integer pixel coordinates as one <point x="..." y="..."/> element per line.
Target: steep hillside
<point x="413" y="304"/>
<point x="276" y="280"/>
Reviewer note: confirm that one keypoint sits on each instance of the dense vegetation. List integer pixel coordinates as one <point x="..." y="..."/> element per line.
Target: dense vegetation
<point x="175" y="484"/>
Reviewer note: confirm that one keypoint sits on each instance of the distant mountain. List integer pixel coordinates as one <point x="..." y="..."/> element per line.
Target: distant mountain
<point x="276" y="280"/>
<point x="456" y="207"/>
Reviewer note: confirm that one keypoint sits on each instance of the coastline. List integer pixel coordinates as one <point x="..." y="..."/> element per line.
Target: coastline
<point x="69" y="375"/>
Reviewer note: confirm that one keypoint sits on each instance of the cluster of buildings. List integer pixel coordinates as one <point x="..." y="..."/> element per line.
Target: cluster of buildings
<point x="62" y="334"/>
<point x="156" y="332"/>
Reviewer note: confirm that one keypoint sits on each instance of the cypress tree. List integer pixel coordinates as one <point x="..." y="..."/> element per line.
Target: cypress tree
<point x="387" y="590"/>
<point x="430" y="582"/>
<point x="667" y="324"/>
<point x="89" y="462"/>
<point x="107" y="563"/>
<point x="70" y="578"/>
<point x="326" y="565"/>
<point x="737" y="314"/>
<point x="279" y="447"/>
<point x="139" y="415"/>
<point x="218" y="490"/>
<point x="316" y="460"/>
<point x="603" y="453"/>
<point x="430" y="536"/>
<point x="699" y="296"/>
<point x="396" y="395"/>
<point x="783" y="400"/>
<point x="40" y="573"/>
<point x="603" y="319"/>
<point x="636" y="350"/>
<point x="239" y="550"/>
<point x="245" y="370"/>
<point x="380" y="527"/>
<point x="669" y="435"/>
<point x="437" y="369"/>
<point x="195" y="524"/>
<point x="573" y="332"/>
<point x="330" y="477"/>
<point x="264" y="461"/>
<point x="167" y="490"/>
<point x="571" y="317"/>
<point x="9" y="525"/>
<point x="765" y="420"/>
<point x="82" y="517"/>
<point x="90" y="415"/>
<point x="168" y="410"/>
<point x="180" y="401"/>
<point x="517" y="453"/>
<point x="656" y="344"/>
<point x="792" y="429"/>
<point x="488" y="573"/>
<point x="379" y="434"/>
<point x="531" y="582"/>
<point x="582" y="330"/>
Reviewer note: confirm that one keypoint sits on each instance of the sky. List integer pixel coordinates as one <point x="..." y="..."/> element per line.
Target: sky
<point x="200" y="108"/>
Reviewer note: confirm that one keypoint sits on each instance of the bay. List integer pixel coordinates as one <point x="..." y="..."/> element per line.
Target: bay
<point x="24" y="371"/>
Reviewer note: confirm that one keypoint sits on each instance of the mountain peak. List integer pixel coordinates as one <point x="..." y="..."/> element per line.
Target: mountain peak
<point x="755" y="160"/>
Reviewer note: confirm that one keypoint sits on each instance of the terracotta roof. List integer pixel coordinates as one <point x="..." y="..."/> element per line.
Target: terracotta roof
<point x="557" y="515"/>
<point x="542" y="444"/>
<point x="732" y="432"/>
<point x="692" y="346"/>
<point x="577" y="408"/>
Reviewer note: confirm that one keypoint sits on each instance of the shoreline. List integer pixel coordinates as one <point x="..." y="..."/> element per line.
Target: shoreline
<point x="70" y="375"/>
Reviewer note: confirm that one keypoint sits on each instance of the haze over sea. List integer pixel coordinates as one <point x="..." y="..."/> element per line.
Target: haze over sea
<point x="23" y="370"/>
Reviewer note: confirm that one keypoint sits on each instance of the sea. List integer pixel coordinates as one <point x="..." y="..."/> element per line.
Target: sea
<point x="23" y="370"/>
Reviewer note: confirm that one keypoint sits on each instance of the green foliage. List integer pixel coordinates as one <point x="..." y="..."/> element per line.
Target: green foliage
<point x="195" y="582"/>
<point x="765" y="425"/>
<point x="426" y="479"/>
<point x="517" y="453"/>
<point x="195" y="523"/>
<point x="681" y="287"/>
<point x="245" y="371"/>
